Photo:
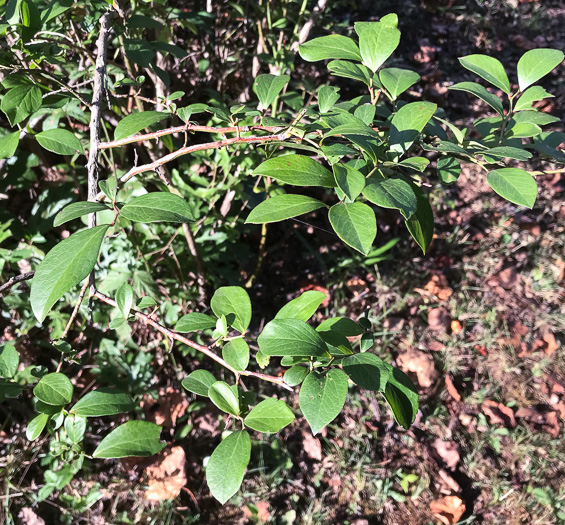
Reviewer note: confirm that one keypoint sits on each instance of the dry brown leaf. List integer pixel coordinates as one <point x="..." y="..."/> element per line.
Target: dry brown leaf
<point x="263" y="514"/>
<point x="448" y="451"/>
<point x="547" y="343"/>
<point x="312" y="446"/>
<point x="438" y="319"/>
<point x="438" y="287"/>
<point x="166" y="476"/>
<point x="421" y="364"/>
<point x="508" y="278"/>
<point x="448" y="510"/>
<point x="498" y="413"/>
<point x="451" y="389"/>
<point x="547" y="419"/>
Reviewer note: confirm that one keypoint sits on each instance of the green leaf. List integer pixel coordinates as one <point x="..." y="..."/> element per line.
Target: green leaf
<point x="66" y="265"/>
<point x="535" y="64"/>
<point x="9" y="361"/>
<point x="291" y="337"/>
<point x="407" y="124"/>
<point x="365" y="113"/>
<point x="125" y="298"/>
<point x="355" y="224"/>
<point x="402" y="396"/>
<point x="322" y="397"/>
<point x="60" y="141"/>
<point x="75" y="427"/>
<point x="146" y="302"/>
<point x="9" y="144"/>
<point x="233" y="300"/>
<point x="303" y="307"/>
<point x="397" y="81"/>
<point x="78" y="209"/>
<point x="534" y="117"/>
<point x="377" y="42"/>
<point x="136" y="122"/>
<point x="227" y="465"/>
<point x="327" y="97"/>
<point x="20" y="102"/>
<point x="488" y="68"/>
<point x="507" y="152"/>
<point x="103" y="402"/>
<point x="199" y="382"/>
<point x="523" y="130"/>
<point x="156" y="207"/>
<point x="390" y="20"/>
<point x="421" y="224"/>
<point x="530" y="96"/>
<point x="343" y="68"/>
<point x="341" y="325"/>
<point x="132" y="439"/>
<point x="271" y="415"/>
<point x="448" y="169"/>
<point x="392" y="193"/>
<point x="35" y="426"/>
<point x="194" y="322"/>
<point x="415" y="163"/>
<point x="224" y="398"/>
<point x="367" y="371"/>
<point x="514" y="185"/>
<point x="54" y="389"/>
<point x="349" y="180"/>
<point x="329" y="47"/>
<point x="268" y="87"/>
<point x="283" y="207"/>
<point x="296" y="170"/>
<point x="481" y="92"/>
<point x="295" y="375"/>
<point x="236" y="354"/>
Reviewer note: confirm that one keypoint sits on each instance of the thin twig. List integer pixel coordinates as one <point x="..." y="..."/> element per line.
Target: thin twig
<point x="200" y="273"/>
<point x="16" y="279"/>
<point x="204" y="349"/>
<point x="75" y="311"/>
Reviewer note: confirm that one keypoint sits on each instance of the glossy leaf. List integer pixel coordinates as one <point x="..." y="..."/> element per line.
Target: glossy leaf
<point x="224" y="398"/>
<point x="227" y="465"/>
<point x="295" y="375"/>
<point x="78" y="209"/>
<point x="124" y="298"/>
<point x="392" y="193"/>
<point x="367" y="371"/>
<point x="132" y="439"/>
<point x="535" y="64"/>
<point x="296" y="170"/>
<point x="514" y="185"/>
<point x="9" y="144"/>
<point x="268" y="87"/>
<point x="329" y="47"/>
<point x="322" y="397"/>
<point x="157" y="207"/>
<point x="377" y="42"/>
<point x="343" y="68"/>
<point x="271" y="415"/>
<point x="407" y="124"/>
<point x="35" y="426"/>
<point x="54" y="389"/>
<point x="65" y="266"/>
<point x="397" y="81"/>
<point x="9" y="361"/>
<point x="488" y="68"/>
<point x="283" y="207"/>
<point x="507" y="152"/>
<point x="199" y="382"/>
<point x="421" y="224"/>
<point x="341" y="325"/>
<point x="236" y="353"/>
<point x="415" y="163"/>
<point x="355" y="224"/>
<point x="402" y="396"/>
<point x="531" y="95"/>
<point x="194" y="322"/>
<point x="103" y="402"/>
<point x="60" y="141"/>
<point x="233" y="300"/>
<point x="448" y="169"/>
<point x="303" y="307"/>
<point x="138" y="121"/>
<point x="20" y="102"/>
<point x="523" y="130"/>
<point x="349" y="180"/>
<point x="327" y="97"/>
<point x="291" y="337"/>
<point x="75" y="427"/>
<point x="481" y="92"/>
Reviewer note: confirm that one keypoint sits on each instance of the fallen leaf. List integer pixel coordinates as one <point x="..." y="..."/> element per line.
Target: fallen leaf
<point x="312" y="446"/>
<point x="507" y="278"/>
<point x="448" y="451"/>
<point x="451" y="389"/>
<point x="29" y="517"/>
<point x="421" y="364"/>
<point x="542" y="416"/>
<point x="438" y="319"/>
<point x="498" y="413"/>
<point x="456" y="327"/>
<point x="166" y="476"/>
<point x="448" y="510"/>
<point x="437" y="286"/>
<point x="262" y="513"/>
<point x="547" y="343"/>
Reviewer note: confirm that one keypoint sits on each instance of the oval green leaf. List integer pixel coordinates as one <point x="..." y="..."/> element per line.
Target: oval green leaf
<point x="138" y="121"/>
<point x="227" y="465"/>
<point x="291" y="337"/>
<point x="283" y="207"/>
<point x="349" y="180"/>
<point x="322" y="397"/>
<point x="448" y="169"/>
<point x="66" y="265"/>
<point x="367" y="371"/>
<point x="194" y="322"/>
<point x="78" y="209"/>
<point x="377" y="41"/>
<point x="329" y="47"/>
<point x="402" y="396"/>
<point x="489" y="68"/>
<point x="397" y="81"/>
<point x="343" y="68"/>
<point x="303" y="307"/>
<point x="20" y="102"/>
<point x="199" y="382"/>
<point x="9" y="144"/>
<point x="355" y="224"/>
<point x="236" y="353"/>
<point x="267" y="87"/>
<point x="296" y="170"/>
<point x="233" y="300"/>
<point x="295" y="375"/>
<point x="132" y="439"/>
<point x="392" y="193"/>
<point x="124" y="299"/>
<point x="535" y="64"/>
<point x="421" y="224"/>
<point x="103" y="402"/>
<point x="514" y="185"/>
<point x="157" y="207"/>
<point x="54" y="389"/>
<point x="481" y="92"/>
<point x="60" y="141"/>
<point x="407" y="124"/>
<point x="271" y="415"/>
<point x="9" y="361"/>
<point x="35" y="426"/>
<point x="224" y="398"/>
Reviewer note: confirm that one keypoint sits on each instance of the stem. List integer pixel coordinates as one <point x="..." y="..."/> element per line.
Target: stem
<point x="75" y="310"/>
<point x="200" y="273"/>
